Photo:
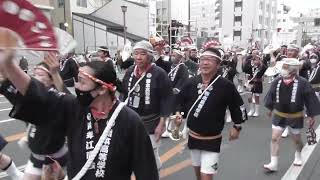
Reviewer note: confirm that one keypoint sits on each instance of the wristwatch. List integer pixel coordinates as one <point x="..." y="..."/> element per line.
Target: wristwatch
<point x="237" y="127"/>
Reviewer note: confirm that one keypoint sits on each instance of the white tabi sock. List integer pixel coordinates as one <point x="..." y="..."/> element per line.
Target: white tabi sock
<point x="256" y="110"/>
<point x="250" y="113"/>
<point x="273" y="165"/>
<point x="13" y="171"/>
<point x="297" y="159"/>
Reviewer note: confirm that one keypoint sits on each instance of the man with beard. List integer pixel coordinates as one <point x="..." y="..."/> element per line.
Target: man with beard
<point x="149" y="93"/>
<point x="191" y="65"/>
<point x="178" y="77"/>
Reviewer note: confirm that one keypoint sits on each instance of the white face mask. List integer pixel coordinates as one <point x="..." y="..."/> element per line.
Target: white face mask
<point x="284" y="73"/>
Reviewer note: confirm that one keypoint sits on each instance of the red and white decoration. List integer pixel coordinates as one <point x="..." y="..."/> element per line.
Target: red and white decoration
<point x="29" y="24"/>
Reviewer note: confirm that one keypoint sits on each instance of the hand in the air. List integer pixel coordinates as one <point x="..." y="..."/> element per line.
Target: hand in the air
<point x="51" y="60"/>
<point x="8" y="41"/>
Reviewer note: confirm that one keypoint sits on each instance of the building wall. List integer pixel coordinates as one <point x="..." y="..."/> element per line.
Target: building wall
<point x="286" y="31"/>
<point x="62" y="14"/>
<point x="202" y="13"/>
<point x="244" y="21"/>
<point x="137" y="21"/>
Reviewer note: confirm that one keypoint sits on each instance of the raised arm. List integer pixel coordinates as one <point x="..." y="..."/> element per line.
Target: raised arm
<point x="11" y="70"/>
<point x="53" y="64"/>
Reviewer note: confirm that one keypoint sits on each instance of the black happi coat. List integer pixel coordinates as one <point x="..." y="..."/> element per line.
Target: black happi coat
<point x="192" y="67"/>
<point x="305" y="69"/>
<point x="210" y="120"/>
<point x="165" y="65"/>
<point x="290" y="102"/>
<point x="69" y="72"/>
<point x="46" y="139"/>
<point x="314" y="78"/>
<point x="178" y="76"/>
<point x="257" y="78"/>
<point x="160" y="102"/>
<point x="130" y="149"/>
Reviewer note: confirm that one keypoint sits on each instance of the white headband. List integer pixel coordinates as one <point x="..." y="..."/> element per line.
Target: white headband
<point x="208" y="53"/>
<point x="103" y="49"/>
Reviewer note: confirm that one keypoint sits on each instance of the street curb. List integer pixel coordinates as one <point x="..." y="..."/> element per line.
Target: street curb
<point x="311" y="165"/>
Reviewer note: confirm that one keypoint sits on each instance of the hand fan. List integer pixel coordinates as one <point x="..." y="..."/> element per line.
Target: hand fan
<point x="29" y="24"/>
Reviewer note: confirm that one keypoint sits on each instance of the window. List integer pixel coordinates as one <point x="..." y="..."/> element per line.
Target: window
<point x="203" y="15"/>
<point x="268" y="8"/>
<point x="238" y="18"/>
<point x="82" y="3"/>
<point x="261" y="5"/>
<point x="164" y="11"/>
<point x="317" y="22"/>
<point x="283" y="20"/>
<point x="60" y="3"/>
<point x="260" y="19"/>
<point x="158" y="11"/>
<point x="238" y="4"/>
<point x="236" y="33"/>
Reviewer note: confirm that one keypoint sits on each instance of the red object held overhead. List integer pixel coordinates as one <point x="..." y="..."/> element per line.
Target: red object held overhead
<point x="29" y="23"/>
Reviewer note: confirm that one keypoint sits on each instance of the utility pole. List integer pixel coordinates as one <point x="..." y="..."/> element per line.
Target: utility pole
<point x="189" y="16"/>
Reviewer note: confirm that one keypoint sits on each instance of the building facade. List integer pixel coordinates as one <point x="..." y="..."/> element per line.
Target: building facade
<point x="202" y="14"/>
<point x="286" y="27"/>
<point x="308" y="27"/>
<point x="245" y="22"/>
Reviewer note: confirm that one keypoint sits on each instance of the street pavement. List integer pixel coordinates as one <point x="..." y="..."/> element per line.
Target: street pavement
<point x="242" y="159"/>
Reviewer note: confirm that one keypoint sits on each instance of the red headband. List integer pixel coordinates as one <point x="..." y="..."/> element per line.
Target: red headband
<point x="105" y="85"/>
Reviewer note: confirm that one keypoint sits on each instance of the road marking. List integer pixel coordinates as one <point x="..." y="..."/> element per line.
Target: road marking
<point x="7" y="120"/>
<point x="15" y="137"/>
<point x="6" y="109"/>
<point x="20" y="168"/>
<point x="294" y="171"/>
<point x="172" y="152"/>
<point x="4" y="102"/>
<point x="175" y="168"/>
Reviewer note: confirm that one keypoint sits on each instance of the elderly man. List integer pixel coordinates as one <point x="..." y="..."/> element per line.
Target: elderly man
<point x="204" y="99"/>
<point x="178" y="77"/>
<point x="149" y="93"/>
<point x="286" y="99"/>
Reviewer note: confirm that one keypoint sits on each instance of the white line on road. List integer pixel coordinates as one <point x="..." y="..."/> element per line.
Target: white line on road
<point x="20" y="168"/>
<point x="294" y="171"/>
<point x="6" y="109"/>
<point x="6" y="120"/>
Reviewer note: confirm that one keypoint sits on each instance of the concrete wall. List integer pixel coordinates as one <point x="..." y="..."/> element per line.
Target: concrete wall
<point x="136" y="16"/>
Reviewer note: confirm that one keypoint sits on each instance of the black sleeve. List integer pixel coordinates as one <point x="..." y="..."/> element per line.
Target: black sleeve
<point x="262" y="70"/>
<point x="144" y="163"/>
<point x="74" y="68"/>
<point x="183" y="76"/>
<point x="311" y="101"/>
<point x="124" y="85"/>
<point x="269" y="99"/>
<point x="236" y="105"/>
<point x="182" y="97"/>
<point x="166" y="94"/>
<point x="39" y="105"/>
<point x="3" y="142"/>
<point x="9" y="91"/>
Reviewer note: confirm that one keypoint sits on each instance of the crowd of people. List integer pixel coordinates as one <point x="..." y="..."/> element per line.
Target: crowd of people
<point x="86" y="123"/>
